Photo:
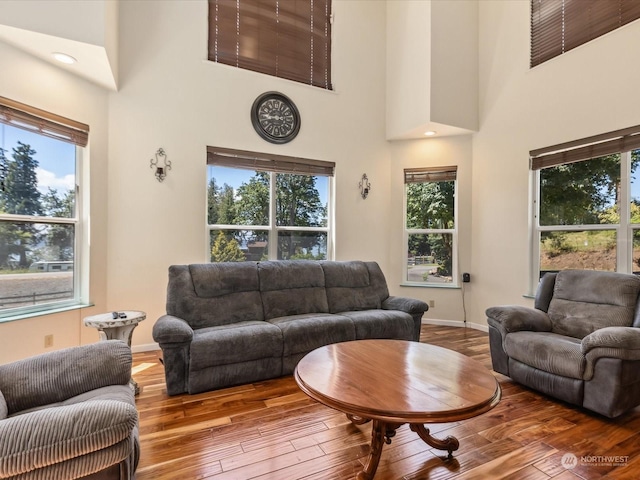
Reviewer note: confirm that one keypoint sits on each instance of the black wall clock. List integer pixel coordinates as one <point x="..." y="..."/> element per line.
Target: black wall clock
<point x="275" y="117"/>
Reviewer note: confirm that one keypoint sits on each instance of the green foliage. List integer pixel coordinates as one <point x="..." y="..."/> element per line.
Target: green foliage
<point x="297" y="204"/>
<point x="430" y="205"/>
<point x="226" y="250"/>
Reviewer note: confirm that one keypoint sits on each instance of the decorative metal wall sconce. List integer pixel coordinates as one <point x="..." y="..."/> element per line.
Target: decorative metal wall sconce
<point x="365" y="186"/>
<point x="161" y="169"/>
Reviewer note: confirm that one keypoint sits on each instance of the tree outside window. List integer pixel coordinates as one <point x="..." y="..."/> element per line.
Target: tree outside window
<point x="38" y="221"/>
<point x="261" y="215"/>
<point x="430" y="225"/>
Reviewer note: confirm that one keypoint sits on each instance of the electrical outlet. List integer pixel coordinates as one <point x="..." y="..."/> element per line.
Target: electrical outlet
<point x="48" y="341"/>
<point x="432" y="303"/>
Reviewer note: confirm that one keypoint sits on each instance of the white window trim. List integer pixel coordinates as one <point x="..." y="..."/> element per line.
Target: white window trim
<point x="455" y="281"/>
<point x="274" y="229"/>
<point x="624" y="229"/>
<point x="80" y="257"/>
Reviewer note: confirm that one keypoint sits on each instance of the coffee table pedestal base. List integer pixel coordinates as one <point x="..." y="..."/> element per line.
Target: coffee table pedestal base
<point x="383" y="432"/>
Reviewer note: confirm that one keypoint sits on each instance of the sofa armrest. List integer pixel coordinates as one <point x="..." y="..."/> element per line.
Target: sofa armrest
<point x="405" y="304"/>
<point x="515" y="318"/>
<point x="53" y="435"/>
<point x="170" y="329"/>
<point x="56" y="376"/>
<point x="612" y="342"/>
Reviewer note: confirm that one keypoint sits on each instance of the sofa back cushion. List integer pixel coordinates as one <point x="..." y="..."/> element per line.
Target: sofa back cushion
<point x="354" y="286"/>
<point x="292" y="287"/>
<point x="213" y="294"/>
<point x="585" y="300"/>
<point x="3" y="407"/>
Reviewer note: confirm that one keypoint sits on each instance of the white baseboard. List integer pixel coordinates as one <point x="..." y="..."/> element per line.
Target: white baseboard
<point x="149" y="347"/>
<point x="455" y="323"/>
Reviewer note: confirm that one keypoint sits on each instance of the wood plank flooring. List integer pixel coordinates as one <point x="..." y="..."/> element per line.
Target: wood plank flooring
<point x="272" y="431"/>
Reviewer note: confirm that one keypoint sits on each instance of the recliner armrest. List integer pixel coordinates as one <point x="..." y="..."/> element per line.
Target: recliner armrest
<point x="170" y="329"/>
<point x="53" y="435"/>
<point x="515" y="318"/>
<point x="405" y="304"/>
<point x="612" y="342"/>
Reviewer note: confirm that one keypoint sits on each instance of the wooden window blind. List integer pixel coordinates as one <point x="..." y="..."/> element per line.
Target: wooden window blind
<point x="558" y="26"/>
<point x="284" y="38"/>
<point x="430" y="174"/>
<point x="591" y="147"/>
<point x="39" y="121"/>
<point x="264" y="162"/>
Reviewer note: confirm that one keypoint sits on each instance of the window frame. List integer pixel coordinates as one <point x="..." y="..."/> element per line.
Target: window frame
<point x="40" y="122"/>
<point x="273" y="165"/>
<point x="621" y="142"/>
<point x="455" y="280"/>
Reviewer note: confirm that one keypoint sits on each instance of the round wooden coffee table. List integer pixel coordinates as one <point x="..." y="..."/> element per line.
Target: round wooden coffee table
<point x="394" y="382"/>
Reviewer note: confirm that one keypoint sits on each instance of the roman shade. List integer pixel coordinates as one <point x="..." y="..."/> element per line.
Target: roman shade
<point x="42" y="122"/>
<point x="558" y="26"/>
<point x="263" y="162"/>
<point x="430" y="174"/>
<point x="284" y="38"/>
<point x="590" y="147"/>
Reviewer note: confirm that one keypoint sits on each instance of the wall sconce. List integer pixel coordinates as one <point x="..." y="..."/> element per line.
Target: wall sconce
<point x="161" y="169"/>
<point x="365" y="186"/>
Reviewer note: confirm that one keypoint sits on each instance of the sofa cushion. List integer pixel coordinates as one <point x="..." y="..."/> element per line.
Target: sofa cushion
<point x="303" y="333"/>
<point x="3" y="407"/>
<point x="213" y="294"/>
<point x="237" y="343"/>
<point x="349" y="287"/>
<point x="548" y="352"/>
<point x="584" y="301"/>
<point x="391" y="324"/>
<point x="292" y="288"/>
<point x="120" y="393"/>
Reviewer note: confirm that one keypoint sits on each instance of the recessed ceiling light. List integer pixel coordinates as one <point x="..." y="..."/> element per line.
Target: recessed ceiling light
<point x="430" y="133"/>
<point x="64" y="58"/>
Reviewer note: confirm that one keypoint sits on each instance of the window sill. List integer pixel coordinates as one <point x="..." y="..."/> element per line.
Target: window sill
<point x="39" y="313"/>
<point x="431" y="285"/>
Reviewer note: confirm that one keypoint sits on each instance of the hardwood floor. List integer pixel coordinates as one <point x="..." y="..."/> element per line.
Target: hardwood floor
<point x="271" y="431"/>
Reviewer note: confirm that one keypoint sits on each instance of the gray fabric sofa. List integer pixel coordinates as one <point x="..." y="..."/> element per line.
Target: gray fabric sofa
<point x="580" y="344"/>
<point x="234" y="323"/>
<point x="69" y="414"/>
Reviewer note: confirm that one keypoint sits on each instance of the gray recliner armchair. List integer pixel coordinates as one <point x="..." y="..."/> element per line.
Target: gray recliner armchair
<point x="69" y="414"/>
<point x="580" y="343"/>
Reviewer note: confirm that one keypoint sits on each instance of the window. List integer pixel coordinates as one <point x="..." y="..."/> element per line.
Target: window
<point x="267" y="207"/>
<point x="39" y="209"/>
<point x="430" y="232"/>
<point x="284" y="38"/>
<point x="587" y="205"/>
<point x="558" y="26"/>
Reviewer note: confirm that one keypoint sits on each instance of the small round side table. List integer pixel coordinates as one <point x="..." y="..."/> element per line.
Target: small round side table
<point x="110" y="328"/>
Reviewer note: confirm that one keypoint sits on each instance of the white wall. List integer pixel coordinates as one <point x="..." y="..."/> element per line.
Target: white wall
<point x="31" y="81"/>
<point x="590" y="90"/>
<point x="171" y="97"/>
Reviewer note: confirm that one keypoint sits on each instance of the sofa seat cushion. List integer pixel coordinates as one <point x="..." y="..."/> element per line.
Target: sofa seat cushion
<point x="236" y="343"/>
<point x="303" y="333"/>
<point x="391" y="324"/>
<point x="550" y="352"/>
<point x="120" y="393"/>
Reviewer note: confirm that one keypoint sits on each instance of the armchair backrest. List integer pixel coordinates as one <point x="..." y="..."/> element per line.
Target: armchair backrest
<point x="586" y="300"/>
